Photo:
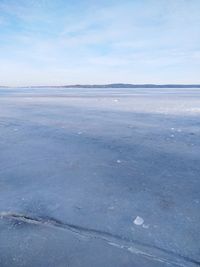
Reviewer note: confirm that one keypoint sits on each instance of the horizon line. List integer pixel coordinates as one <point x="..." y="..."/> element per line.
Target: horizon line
<point x="107" y="85"/>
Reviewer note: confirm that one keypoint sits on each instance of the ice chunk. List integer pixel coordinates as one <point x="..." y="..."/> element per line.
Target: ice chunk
<point x="138" y="220"/>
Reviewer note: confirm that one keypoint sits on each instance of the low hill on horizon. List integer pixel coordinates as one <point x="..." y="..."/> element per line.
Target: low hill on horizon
<point x="112" y="85"/>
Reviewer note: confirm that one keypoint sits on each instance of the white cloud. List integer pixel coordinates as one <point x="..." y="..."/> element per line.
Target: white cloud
<point x="124" y="41"/>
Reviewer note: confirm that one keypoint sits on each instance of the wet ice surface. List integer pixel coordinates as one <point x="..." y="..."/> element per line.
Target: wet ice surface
<point x="106" y="177"/>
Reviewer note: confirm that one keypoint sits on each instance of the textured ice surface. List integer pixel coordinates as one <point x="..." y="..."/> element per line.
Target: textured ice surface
<point x="77" y="167"/>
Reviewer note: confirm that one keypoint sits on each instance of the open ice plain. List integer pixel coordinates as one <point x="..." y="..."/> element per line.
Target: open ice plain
<point x="99" y="177"/>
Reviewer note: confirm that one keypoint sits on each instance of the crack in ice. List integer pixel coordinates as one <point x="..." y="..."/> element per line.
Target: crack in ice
<point x="133" y="246"/>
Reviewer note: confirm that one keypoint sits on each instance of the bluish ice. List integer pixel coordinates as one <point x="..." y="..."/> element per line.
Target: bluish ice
<point x="99" y="177"/>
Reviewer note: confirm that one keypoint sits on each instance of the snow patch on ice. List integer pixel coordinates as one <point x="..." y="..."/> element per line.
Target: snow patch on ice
<point x="194" y="110"/>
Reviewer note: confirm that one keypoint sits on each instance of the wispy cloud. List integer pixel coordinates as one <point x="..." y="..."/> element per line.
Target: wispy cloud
<point x="99" y="41"/>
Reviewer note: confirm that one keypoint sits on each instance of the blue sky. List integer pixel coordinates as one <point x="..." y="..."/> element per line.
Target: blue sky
<point x="48" y="42"/>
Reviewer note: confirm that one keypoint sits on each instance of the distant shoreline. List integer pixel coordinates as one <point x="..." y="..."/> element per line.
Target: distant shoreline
<point x="113" y="85"/>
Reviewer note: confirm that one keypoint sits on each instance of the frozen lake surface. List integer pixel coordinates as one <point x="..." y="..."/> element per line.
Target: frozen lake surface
<point x="99" y="177"/>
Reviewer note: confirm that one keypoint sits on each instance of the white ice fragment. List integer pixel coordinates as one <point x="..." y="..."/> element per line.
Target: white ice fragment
<point x="118" y="161"/>
<point x="138" y="220"/>
<point x="145" y="226"/>
<point x="172" y="129"/>
<point x="116" y="100"/>
<point x="79" y="133"/>
<point x="172" y="135"/>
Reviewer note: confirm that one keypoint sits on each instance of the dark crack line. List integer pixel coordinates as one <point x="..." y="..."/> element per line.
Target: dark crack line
<point x="133" y="246"/>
